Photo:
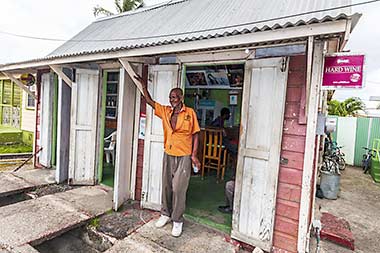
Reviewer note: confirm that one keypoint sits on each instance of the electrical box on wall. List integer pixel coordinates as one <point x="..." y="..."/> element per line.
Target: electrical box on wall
<point x="321" y="122"/>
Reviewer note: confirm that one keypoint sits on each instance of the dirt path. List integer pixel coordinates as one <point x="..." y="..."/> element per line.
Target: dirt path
<point x="359" y="204"/>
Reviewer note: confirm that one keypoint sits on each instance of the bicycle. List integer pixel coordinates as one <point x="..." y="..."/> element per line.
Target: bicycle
<point x="339" y="156"/>
<point x="334" y="152"/>
<point x="366" y="162"/>
<point x="329" y="165"/>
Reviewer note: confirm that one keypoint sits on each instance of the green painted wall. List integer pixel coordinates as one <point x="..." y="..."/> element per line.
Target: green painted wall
<point x="219" y="95"/>
<point x="102" y="127"/>
<point x="375" y="130"/>
<point x="364" y="127"/>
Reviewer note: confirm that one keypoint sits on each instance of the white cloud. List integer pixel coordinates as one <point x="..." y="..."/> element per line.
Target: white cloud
<point x="365" y="39"/>
<point x="60" y="19"/>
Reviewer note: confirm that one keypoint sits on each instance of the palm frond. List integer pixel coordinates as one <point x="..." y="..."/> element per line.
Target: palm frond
<point x="119" y="7"/>
<point x="101" y="11"/>
<point x="130" y="4"/>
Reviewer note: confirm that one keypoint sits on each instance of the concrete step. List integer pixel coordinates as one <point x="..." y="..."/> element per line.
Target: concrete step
<point x="13" y="183"/>
<point x="195" y="238"/>
<point x="37" y="220"/>
<point x="137" y="244"/>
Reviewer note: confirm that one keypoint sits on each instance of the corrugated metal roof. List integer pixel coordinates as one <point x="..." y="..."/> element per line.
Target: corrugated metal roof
<point x="186" y="20"/>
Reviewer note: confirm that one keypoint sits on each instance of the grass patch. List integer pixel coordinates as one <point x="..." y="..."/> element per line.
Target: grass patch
<point x="15" y="148"/>
<point x="95" y="222"/>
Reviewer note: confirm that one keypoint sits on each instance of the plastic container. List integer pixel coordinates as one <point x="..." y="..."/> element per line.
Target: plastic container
<point x="330" y="184"/>
<point x="375" y="161"/>
<point x="375" y="170"/>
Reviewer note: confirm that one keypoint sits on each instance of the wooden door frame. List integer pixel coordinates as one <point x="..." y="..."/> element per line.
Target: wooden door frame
<point x="316" y="61"/>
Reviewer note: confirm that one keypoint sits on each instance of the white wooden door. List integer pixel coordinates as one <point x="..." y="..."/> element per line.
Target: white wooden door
<point x="124" y="139"/>
<point x="162" y="78"/>
<point x="84" y="118"/>
<point x="259" y="151"/>
<point x="46" y="126"/>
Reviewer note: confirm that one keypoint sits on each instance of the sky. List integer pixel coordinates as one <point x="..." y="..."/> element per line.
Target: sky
<point x="58" y="19"/>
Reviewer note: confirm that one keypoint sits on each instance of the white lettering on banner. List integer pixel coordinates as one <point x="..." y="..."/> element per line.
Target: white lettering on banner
<point x="344" y="69"/>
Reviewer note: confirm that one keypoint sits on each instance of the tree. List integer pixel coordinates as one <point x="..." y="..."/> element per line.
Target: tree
<point x="121" y="6"/>
<point x="349" y="107"/>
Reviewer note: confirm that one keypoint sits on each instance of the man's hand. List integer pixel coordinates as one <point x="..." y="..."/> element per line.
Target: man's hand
<point x="140" y="79"/>
<point x="196" y="161"/>
<point x="146" y="94"/>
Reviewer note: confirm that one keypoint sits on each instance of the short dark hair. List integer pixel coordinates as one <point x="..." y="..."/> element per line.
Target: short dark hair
<point x="224" y="111"/>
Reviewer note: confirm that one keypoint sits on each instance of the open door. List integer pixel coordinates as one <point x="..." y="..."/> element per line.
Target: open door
<point x="83" y="129"/>
<point x="47" y="99"/>
<point x="259" y="151"/>
<point x="63" y="128"/>
<point x="162" y="78"/>
<point x="124" y="139"/>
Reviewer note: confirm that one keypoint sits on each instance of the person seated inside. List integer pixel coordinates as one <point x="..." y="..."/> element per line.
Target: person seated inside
<point x="229" y="194"/>
<point x="219" y="123"/>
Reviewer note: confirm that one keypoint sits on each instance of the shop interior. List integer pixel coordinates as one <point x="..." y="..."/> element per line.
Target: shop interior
<point x="209" y="89"/>
<point x="111" y="80"/>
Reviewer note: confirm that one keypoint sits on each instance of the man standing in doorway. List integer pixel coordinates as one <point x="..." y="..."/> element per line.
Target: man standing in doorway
<point x="181" y="130"/>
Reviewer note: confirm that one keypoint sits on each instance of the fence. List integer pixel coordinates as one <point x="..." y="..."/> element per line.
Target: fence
<point x="355" y="133"/>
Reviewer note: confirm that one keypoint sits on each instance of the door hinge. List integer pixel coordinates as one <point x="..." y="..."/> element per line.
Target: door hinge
<point x="284" y="63"/>
<point x="144" y="196"/>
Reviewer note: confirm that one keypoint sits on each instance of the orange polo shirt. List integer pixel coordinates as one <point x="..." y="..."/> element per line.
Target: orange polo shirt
<point x="178" y="141"/>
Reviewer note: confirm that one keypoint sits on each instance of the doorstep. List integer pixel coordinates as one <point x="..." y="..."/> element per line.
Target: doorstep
<point x="37" y="220"/>
<point x="16" y="182"/>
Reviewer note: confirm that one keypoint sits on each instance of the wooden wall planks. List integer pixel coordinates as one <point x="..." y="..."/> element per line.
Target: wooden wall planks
<point x="290" y="175"/>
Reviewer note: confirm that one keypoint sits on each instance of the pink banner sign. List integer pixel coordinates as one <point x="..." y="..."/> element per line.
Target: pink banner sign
<point x="343" y="71"/>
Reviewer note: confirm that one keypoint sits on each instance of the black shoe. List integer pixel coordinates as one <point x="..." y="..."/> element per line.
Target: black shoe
<point x="225" y="209"/>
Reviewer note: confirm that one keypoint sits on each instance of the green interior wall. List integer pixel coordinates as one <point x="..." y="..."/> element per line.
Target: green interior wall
<point x="220" y="95"/>
<point x="102" y="126"/>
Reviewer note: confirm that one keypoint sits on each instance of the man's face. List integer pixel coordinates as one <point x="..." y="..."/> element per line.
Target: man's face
<point x="175" y="98"/>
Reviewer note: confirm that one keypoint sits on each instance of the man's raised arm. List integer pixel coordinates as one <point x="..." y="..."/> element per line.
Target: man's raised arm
<point x="146" y="94"/>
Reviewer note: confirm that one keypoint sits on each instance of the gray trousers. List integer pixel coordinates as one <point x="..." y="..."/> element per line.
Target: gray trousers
<point x="175" y="180"/>
<point x="229" y="192"/>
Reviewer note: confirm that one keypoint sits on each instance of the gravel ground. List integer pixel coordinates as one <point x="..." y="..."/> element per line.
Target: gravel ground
<point x="359" y="204"/>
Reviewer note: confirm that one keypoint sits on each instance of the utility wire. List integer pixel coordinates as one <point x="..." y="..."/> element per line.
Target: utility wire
<point x="198" y="31"/>
<point x="373" y="82"/>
